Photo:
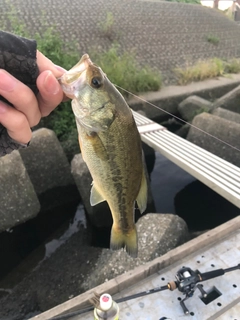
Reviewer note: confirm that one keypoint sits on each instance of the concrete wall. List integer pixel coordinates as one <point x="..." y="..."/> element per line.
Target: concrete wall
<point x="164" y="35"/>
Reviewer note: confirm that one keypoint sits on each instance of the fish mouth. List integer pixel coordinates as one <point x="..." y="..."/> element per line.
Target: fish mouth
<point x="71" y="80"/>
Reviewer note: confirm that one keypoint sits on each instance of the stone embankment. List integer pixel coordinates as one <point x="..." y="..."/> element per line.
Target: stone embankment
<point x="164" y="35"/>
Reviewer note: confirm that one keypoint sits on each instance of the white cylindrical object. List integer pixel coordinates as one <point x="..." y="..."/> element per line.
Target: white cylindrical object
<point x="105" y="302"/>
<point x="108" y="309"/>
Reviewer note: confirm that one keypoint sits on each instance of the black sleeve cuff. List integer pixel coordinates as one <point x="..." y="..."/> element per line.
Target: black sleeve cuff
<point x="7" y="144"/>
<point x="18" y="57"/>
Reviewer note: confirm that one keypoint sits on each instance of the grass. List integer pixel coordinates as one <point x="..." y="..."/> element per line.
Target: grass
<point x="232" y="66"/>
<point x="106" y="26"/>
<point x="206" y="70"/>
<point x="213" y="39"/>
<point x="200" y="71"/>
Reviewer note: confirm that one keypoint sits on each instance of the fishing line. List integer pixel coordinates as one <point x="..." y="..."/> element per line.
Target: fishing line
<point x="176" y="117"/>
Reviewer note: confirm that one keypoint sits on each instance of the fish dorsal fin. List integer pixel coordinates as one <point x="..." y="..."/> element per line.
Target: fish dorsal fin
<point x="143" y="193"/>
<point x="95" y="196"/>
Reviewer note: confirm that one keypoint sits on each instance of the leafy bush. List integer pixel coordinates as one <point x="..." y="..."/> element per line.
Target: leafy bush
<point x="124" y="71"/>
<point x="61" y="120"/>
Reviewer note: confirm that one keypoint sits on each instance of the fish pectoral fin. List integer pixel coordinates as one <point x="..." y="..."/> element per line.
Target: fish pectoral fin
<point x="95" y="196"/>
<point x="143" y="193"/>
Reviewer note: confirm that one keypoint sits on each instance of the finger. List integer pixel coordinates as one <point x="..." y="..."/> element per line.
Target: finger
<point x="46" y="64"/>
<point x="22" y="97"/>
<point x="50" y="92"/>
<point x="16" y="123"/>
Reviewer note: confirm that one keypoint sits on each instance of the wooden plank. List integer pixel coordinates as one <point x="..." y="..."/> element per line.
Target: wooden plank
<point x="132" y="277"/>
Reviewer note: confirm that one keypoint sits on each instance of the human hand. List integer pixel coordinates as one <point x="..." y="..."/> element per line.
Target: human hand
<point x="28" y="109"/>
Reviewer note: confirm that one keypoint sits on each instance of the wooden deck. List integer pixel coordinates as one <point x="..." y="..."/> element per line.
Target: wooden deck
<point x="218" y="174"/>
<point x="218" y="248"/>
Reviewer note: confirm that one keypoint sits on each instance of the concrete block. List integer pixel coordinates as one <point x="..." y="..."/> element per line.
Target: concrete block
<point x="18" y="200"/>
<point x="157" y="234"/>
<point x="193" y="106"/>
<point x="224" y="130"/>
<point x="227" y="115"/>
<point x="230" y="101"/>
<point x="49" y="170"/>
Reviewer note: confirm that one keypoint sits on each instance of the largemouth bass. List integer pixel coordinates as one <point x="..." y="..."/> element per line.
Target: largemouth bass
<point x="110" y="146"/>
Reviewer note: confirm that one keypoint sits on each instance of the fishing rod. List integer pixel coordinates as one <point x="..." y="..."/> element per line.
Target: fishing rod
<point x="187" y="281"/>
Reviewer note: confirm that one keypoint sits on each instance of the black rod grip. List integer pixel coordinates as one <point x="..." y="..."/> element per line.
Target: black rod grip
<point x="211" y="274"/>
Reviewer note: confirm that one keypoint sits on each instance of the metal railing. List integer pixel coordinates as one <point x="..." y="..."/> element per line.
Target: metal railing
<point x="218" y="174"/>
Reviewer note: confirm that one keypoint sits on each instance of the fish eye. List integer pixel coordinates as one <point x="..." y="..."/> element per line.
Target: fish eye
<point x="96" y="83"/>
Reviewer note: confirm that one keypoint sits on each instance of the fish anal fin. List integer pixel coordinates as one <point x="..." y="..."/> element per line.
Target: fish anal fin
<point x="95" y="196"/>
<point x="121" y="240"/>
<point x="143" y="193"/>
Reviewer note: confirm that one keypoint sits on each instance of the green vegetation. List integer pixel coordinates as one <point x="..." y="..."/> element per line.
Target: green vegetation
<point x="186" y="1"/>
<point x="120" y="67"/>
<point x="123" y="70"/>
<point x="232" y="66"/>
<point x="207" y="69"/>
<point x="213" y="39"/>
<point x="106" y="26"/>
<point x="200" y="110"/>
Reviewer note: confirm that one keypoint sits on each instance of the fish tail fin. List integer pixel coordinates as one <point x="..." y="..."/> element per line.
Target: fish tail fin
<point x="121" y="240"/>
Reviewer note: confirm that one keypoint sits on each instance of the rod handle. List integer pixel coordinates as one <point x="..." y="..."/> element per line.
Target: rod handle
<point x="211" y="274"/>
